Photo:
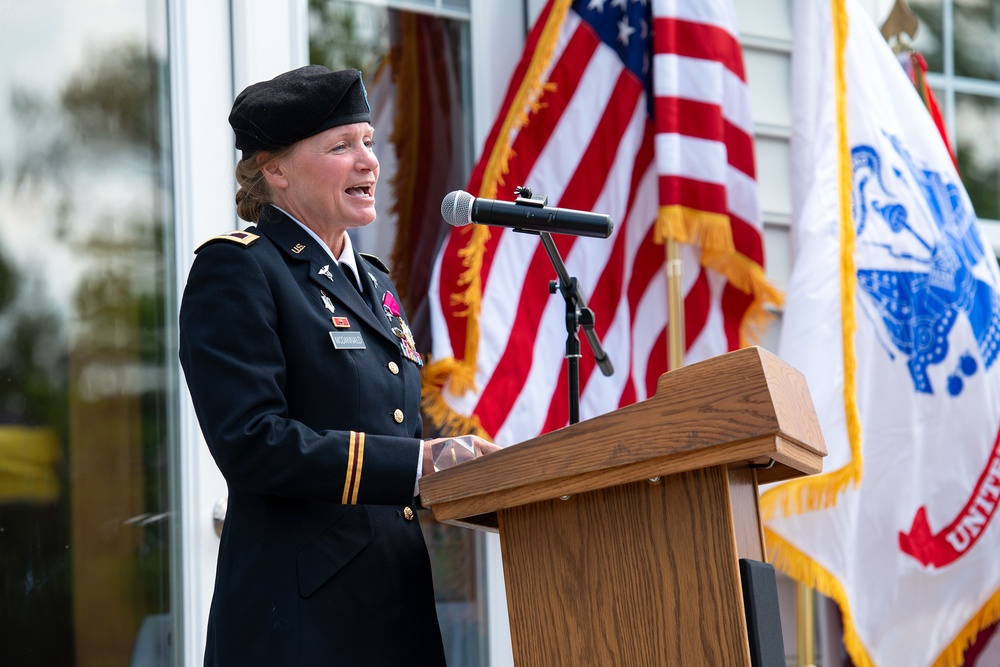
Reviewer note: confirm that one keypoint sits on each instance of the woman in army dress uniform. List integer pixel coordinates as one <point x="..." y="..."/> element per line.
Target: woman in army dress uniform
<point x="305" y="380"/>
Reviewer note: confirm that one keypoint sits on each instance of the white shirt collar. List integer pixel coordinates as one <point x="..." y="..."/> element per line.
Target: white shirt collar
<point x="346" y="255"/>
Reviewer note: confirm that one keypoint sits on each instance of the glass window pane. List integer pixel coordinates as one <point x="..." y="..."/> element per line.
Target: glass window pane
<point x="929" y="39"/>
<point x="978" y="149"/>
<point x="85" y="201"/>
<point x="456" y="5"/>
<point x="414" y="67"/>
<point x="977" y="39"/>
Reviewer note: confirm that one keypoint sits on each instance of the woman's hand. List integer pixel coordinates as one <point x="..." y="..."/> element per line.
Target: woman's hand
<point x="441" y="453"/>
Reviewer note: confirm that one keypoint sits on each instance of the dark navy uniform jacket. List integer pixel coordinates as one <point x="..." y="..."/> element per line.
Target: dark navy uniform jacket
<point x="321" y="560"/>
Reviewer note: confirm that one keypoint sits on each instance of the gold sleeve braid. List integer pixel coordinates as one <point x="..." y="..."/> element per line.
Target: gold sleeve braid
<point x="355" y="461"/>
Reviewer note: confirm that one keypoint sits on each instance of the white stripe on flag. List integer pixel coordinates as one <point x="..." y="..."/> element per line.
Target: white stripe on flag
<point x="718" y="13"/>
<point x="691" y="157"/>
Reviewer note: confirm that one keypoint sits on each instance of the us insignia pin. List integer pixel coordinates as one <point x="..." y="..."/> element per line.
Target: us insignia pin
<point x="297" y="248"/>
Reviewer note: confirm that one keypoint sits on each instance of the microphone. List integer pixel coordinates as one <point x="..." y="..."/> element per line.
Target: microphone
<point x="459" y="208"/>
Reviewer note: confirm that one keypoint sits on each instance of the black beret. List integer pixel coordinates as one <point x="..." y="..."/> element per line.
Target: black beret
<point x="297" y="104"/>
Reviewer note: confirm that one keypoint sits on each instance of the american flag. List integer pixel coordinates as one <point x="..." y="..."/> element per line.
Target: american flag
<point x="623" y="107"/>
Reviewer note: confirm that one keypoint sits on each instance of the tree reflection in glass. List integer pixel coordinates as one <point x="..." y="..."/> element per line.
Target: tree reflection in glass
<point x="84" y="213"/>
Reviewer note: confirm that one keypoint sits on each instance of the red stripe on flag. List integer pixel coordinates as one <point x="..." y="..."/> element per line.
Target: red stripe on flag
<point x="687" y="192"/>
<point x="698" y="40"/>
<point x="657" y="363"/>
<point x="650" y="260"/>
<point x="739" y="150"/>
<point x="747" y="239"/>
<point x="697" y="305"/>
<point x="734" y="305"/>
<point x="705" y="121"/>
<point x="689" y="117"/>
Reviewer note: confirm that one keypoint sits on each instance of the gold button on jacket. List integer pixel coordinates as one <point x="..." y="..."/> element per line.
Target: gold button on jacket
<point x="393" y="368"/>
<point x="398" y="416"/>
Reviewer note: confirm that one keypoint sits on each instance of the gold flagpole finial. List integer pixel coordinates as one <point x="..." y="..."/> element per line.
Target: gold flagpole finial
<point x="900" y="27"/>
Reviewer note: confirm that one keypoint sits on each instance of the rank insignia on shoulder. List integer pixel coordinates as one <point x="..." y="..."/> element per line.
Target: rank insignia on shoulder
<point x="244" y="239"/>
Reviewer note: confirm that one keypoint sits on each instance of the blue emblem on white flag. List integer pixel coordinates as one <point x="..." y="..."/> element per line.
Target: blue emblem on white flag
<point x="921" y="264"/>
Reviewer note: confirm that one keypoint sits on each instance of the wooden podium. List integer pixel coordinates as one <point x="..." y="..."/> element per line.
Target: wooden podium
<point x="621" y="534"/>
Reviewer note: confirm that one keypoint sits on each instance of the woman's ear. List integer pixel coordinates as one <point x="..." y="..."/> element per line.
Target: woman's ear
<point x="273" y="170"/>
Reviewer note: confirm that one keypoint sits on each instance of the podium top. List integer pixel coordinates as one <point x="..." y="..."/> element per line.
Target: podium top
<point x="746" y="407"/>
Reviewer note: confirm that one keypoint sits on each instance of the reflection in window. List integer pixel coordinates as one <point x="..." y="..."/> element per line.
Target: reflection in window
<point x="84" y="213"/>
<point x="929" y="39"/>
<point x="977" y="52"/>
<point x="961" y="41"/>
<point x="978" y="148"/>
<point x="413" y="65"/>
<point x="971" y="48"/>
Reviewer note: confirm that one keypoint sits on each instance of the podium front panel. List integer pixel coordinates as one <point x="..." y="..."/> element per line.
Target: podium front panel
<point x="639" y="574"/>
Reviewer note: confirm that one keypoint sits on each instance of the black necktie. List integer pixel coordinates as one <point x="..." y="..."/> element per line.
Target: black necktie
<point x="349" y="273"/>
<point x="351" y="278"/>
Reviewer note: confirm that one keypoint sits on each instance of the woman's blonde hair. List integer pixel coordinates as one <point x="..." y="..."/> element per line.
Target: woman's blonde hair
<point x="254" y="193"/>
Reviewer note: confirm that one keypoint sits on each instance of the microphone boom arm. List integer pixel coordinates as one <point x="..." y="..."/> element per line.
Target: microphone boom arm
<point x="577" y="313"/>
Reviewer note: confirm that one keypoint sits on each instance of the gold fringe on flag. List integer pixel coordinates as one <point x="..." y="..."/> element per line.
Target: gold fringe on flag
<point x="459" y="375"/>
<point x="954" y="654"/>
<point x="808" y="572"/>
<point x="748" y="276"/>
<point x="712" y="234"/>
<point x="707" y="230"/>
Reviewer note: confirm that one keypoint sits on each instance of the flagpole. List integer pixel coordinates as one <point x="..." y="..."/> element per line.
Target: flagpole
<point x="675" y="306"/>
<point x="805" y="622"/>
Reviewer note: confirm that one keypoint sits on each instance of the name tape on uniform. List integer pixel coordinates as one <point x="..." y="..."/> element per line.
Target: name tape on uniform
<point x="347" y="340"/>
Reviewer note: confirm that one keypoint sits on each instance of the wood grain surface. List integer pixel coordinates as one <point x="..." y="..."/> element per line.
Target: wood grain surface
<point x="639" y="574"/>
<point x="745" y="406"/>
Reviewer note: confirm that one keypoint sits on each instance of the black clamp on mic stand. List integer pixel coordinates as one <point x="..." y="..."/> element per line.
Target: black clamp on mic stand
<point x="577" y="313"/>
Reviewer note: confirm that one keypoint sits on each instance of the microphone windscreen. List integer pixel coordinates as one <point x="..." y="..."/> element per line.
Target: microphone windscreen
<point x="456" y="208"/>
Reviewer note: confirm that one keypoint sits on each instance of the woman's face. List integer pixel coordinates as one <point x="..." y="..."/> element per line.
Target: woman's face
<point x="330" y="177"/>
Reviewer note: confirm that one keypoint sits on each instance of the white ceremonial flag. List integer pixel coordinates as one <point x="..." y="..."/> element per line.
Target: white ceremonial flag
<point x="893" y="316"/>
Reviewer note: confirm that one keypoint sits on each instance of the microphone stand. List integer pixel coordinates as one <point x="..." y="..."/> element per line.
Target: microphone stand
<point x="577" y="313"/>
